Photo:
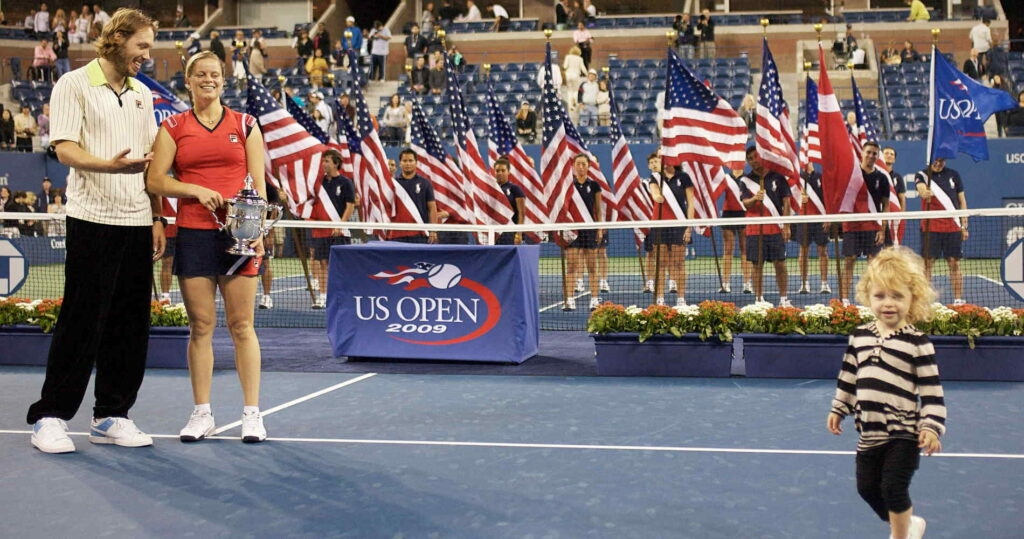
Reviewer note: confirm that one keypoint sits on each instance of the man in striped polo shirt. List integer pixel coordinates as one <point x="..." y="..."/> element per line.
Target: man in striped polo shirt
<point x="103" y="127"/>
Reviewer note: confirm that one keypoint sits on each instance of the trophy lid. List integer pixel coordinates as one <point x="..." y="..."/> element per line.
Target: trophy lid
<point x="248" y="190"/>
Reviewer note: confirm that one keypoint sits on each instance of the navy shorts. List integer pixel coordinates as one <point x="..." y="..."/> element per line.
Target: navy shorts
<point x="585" y="239"/>
<point x="810" y="233"/>
<point x="943" y="244"/>
<point x="772" y="247"/>
<point x="204" y="253"/>
<point x="322" y="246"/>
<point x="860" y="242"/>
<point x="733" y="214"/>
<point x="668" y="236"/>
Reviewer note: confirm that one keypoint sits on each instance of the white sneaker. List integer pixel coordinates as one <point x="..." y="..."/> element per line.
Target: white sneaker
<point x="266" y="302"/>
<point x="681" y="302"/>
<point x="603" y="286"/>
<point x="784" y="302"/>
<point x="846" y="302"/>
<point x="748" y="288"/>
<point x="252" y="428"/>
<point x="825" y="288"/>
<point x="648" y="287"/>
<point x="118" y="431"/>
<point x="165" y="297"/>
<point x="672" y="288"/>
<point x="917" y="527"/>
<point x="50" y="435"/>
<point x="724" y="289"/>
<point x="315" y="283"/>
<point x="659" y="301"/>
<point x="959" y="301"/>
<point x="805" y="289"/>
<point x="200" y="425"/>
<point x="579" y="285"/>
<point x="594" y="303"/>
<point x="760" y="299"/>
<point x="569" y="305"/>
<point x="320" y="302"/>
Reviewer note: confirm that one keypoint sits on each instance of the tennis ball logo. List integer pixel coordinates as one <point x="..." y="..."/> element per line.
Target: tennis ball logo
<point x="444" y="276"/>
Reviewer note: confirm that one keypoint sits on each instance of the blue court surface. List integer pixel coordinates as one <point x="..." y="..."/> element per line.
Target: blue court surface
<point x="457" y="455"/>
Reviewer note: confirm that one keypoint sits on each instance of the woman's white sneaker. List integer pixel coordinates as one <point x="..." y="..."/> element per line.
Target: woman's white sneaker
<point x="252" y="428"/>
<point x="118" y="431"/>
<point x="50" y="435"/>
<point x="200" y="425"/>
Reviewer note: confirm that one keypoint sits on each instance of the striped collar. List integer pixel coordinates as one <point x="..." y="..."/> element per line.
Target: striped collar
<point x="97" y="78"/>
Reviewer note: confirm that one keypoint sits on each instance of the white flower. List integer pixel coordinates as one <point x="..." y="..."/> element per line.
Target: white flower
<point x="759" y="308"/>
<point x="941" y="312"/>
<point x="865" y="312"/>
<point x="633" y="310"/>
<point x="1002" y="314"/>
<point x="691" y="311"/>
<point x="816" y="311"/>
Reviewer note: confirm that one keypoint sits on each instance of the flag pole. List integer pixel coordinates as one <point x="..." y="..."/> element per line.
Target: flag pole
<point x="926" y="205"/>
<point x="760" y="235"/>
<point x="670" y="38"/>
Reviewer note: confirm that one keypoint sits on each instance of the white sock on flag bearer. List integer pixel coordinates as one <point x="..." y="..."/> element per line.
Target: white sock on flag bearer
<point x="502" y="141"/>
<point x="841" y="178"/>
<point x="773" y="135"/>
<point x="699" y="125"/>
<point x="489" y="203"/>
<point x="292" y="154"/>
<point x="436" y="165"/>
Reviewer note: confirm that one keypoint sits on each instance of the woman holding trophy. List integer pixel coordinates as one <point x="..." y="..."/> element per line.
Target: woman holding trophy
<point x="213" y="150"/>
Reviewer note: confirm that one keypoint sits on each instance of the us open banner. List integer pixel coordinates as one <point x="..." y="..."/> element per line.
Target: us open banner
<point x="434" y="302"/>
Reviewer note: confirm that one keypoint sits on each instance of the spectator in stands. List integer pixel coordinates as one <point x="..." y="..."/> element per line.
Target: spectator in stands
<point x="526" y="124"/>
<point x="1014" y="118"/>
<point x="472" y="13"/>
<point x="891" y="55"/>
<point x="81" y="25"/>
<point x="588" y="99"/>
<point x="865" y="238"/>
<point x="317" y="103"/>
<point x="705" y="33"/>
<point x="604" y="104"/>
<point x="6" y="130"/>
<point x="239" y="52"/>
<point x="996" y="62"/>
<point x="394" y="122"/>
<point x="812" y="233"/>
<point x="561" y="15"/>
<point x="501" y="17"/>
<point x="322" y="39"/>
<point x="908" y="53"/>
<point x="748" y="111"/>
<point x="43" y="60"/>
<point x="582" y="38"/>
<point x="379" y="38"/>
<point x="437" y="79"/>
<point x="256" y="56"/>
<point x="5" y="192"/>
<point x="981" y="37"/>
<point x="60" y="50"/>
<point x="973" y="67"/>
<point x="216" y="46"/>
<point x="589" y="12"/>
<point x="316" y="68"/>
<point x="25" y="202"/>
<point x="447" y="13"/>
<point x="573" y="14"/>
<point x="180" y="19"/>
<point x="45" y="196"/>
<point x="575" y="72"/>
<point x="59" y="22"/>
<point x="941" y="189"/>
<point x="56" y="227"/>
<point x="859" y="58"/>
<point x="917" y="11"/>
<point x="345" y="105"/>
<point x="686" y="41"/>
<point x="765" y="193"/>
<point x="415" y="44"/>
<point x="342" y="194"/>
<point x="42" y="21"/>
<point x="24" y="129"/>
<point x="457" y="59"/>
<point x="43" y="122"/>
<point x="419" y="77"/>
<point x="99" y="16"/>
<point x="303" y="47"/>
<point x="354" y="38"/>
<point x="421" y="192"/>
<point x="999" y="82"/>
<point x="427" y="18"/>
<point x="30" y="24"/>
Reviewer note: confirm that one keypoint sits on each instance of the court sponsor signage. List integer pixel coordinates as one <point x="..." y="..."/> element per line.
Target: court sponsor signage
<point x="13" y="268"/>
<point x="452" y="302"/>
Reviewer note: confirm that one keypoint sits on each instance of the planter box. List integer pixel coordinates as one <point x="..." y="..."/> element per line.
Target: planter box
<point x="793" y="356"/>
<point x="993" y="359"/>
<point x="622" y="354"/>
<point x="28" y="345"/>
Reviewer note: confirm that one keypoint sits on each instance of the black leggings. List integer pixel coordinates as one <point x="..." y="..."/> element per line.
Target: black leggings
<point x="884" y="474"/>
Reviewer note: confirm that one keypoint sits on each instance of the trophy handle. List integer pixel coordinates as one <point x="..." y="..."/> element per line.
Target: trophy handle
<point x="278" y="211"/>
<point x="227" y="204"/>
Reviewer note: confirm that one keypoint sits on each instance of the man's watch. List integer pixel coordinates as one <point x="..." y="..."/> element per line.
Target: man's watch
<point x="160" y="219"/>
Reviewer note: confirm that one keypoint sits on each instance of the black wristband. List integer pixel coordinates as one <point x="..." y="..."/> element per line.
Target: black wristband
<point x="160" y="219"/>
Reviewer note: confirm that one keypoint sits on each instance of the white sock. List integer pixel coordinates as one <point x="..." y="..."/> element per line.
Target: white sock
<point x="204" y="408"/>
<point x="250" y="410"/>
<point x="782" y="299"/>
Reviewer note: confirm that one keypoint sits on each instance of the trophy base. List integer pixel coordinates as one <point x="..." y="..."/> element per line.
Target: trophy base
<point x="243" y="250"/>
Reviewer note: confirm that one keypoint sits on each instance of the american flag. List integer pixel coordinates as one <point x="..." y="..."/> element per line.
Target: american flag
<point x="490" y="205"/>
<point x="709" y="182"/>
<point x="810" y="144"/>
<point x="436" y="165"/>
<point x="773" y="135"/>
<point x="293" y="155"/>
<point x="699" y="126"/>
<point x="370" y="208"/>
<point x="502" y="141"/>
<point x="868" y="132"/>
<point x="634" y="202"/>
<point x="841" y="177"/>
<point x="561" y="143"/>
<point x="305" y="120"/>
<point x="865" y="128"/>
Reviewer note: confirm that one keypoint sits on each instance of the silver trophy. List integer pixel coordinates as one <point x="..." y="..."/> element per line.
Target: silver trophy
<point x="246" y="218"/>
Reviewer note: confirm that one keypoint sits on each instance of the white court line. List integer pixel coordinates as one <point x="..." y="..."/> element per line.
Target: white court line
<point x="993" y="281"/>
<point x="560" y="303"/>
<point x="299" y="400"/>
<point x="585" y="447"/>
